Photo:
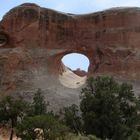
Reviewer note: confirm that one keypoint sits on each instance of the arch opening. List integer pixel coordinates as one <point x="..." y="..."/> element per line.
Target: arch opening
<point x="74" y="70"/>
<point x="3" y="39"/>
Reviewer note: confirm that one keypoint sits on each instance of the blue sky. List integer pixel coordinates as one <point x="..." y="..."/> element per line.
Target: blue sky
<point x="71" y="6"/>
<point x="75" y="61"/>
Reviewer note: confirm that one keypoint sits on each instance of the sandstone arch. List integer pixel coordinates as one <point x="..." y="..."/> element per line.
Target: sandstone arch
<point x="39" y="38"/>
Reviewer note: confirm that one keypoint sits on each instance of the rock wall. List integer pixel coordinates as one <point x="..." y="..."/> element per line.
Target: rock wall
<point x="33" y="41"/>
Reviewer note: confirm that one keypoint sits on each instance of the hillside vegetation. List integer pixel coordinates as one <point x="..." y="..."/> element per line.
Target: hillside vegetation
<point x="108" y="111"/>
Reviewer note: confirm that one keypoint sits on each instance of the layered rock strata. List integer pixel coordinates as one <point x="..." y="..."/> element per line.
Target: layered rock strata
<point x="33" y="41"/>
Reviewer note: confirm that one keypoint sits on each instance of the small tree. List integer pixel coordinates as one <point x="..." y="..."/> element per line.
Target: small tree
<point x="72" y="118"/>
<point x="42" y="126"/>
<point x="11" y="110"/>
<point x="109" y="110"/>
<point x="39" y="105"/>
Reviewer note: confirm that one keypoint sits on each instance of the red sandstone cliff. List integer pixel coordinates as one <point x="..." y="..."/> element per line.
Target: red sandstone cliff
<point x="34" y="39"/>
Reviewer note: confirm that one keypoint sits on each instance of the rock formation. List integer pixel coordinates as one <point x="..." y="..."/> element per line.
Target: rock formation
<point x="33" y="41"/>
<point x="80" y="72"/>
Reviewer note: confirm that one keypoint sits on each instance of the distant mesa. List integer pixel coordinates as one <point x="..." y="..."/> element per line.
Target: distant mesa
<point x="80" y="72"/>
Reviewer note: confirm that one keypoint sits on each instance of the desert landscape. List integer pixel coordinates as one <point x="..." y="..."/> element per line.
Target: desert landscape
<point x="34" y="39"/>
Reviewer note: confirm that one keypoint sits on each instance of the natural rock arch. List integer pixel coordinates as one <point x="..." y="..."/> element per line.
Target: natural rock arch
<point x="38" y="38"/>
<point x="74" y="74"/>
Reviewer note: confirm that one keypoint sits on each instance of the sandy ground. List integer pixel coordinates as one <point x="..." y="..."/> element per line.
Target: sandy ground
<point x="5" y="134"/>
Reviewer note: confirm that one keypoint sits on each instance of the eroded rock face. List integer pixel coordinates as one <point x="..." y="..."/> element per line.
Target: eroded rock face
<point x="34" y="39"/>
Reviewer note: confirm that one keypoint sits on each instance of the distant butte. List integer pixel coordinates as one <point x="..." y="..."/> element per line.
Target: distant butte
<point x="33" y="41"/>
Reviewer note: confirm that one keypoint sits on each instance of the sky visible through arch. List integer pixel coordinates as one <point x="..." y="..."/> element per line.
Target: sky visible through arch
<point x="71" y="6"/>
<point x="76" y="60"/>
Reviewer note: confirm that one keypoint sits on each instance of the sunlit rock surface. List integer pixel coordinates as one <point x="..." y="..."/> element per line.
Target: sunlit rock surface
<point x="72" y="80"/>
